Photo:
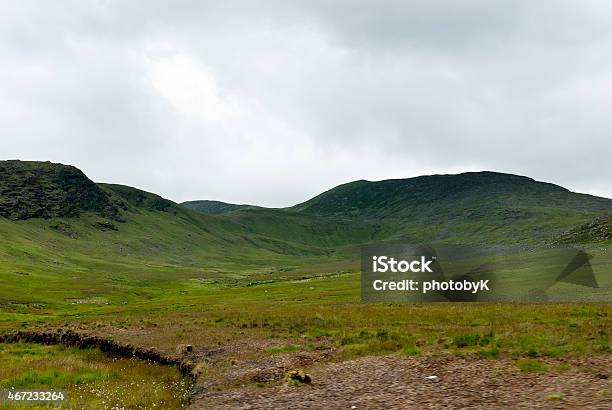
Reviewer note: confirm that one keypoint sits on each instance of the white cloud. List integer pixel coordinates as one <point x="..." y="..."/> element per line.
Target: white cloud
<point x="191" y="89"/>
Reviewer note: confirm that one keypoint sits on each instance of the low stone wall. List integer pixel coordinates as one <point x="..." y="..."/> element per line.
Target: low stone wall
<point x="112" y="348"/>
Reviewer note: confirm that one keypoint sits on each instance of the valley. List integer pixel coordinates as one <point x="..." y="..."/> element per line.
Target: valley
<point x="258" y="292"/>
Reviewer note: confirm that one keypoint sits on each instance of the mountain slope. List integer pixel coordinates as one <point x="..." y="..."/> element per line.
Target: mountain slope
<point x="209" y="207"/>
<point x="31" y="189"/>
<point x="396" y="197"/>
<point x="470" y="207"/>
<point x="598" y="229"/>
<point x="72" y="226"/>
<point x="55" y="218"/>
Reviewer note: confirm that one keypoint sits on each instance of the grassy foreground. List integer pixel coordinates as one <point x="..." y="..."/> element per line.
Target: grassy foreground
<point x="90" y="379"/>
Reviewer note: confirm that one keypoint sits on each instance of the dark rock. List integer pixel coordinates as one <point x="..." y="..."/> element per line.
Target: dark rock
<point x="31" y="189"/>
<point x="299" y="376"/>
<point x="106" y="226"/>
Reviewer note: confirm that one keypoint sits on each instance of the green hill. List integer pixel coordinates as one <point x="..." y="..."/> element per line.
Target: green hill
<point x="55" y="219"/>
<point x="480" y="190"/>
<point x="213" y="207"/>
<point x="469" y="207"/>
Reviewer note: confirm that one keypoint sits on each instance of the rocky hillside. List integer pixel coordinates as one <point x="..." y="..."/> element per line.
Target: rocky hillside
<point x="596" y="230"/>
<point x="46" y="190"/>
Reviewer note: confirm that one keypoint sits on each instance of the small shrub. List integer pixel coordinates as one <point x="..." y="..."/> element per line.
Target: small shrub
<point x="553" y="352"/>
<point x="411" y="351"/>
<point x="382" y="335"/>
<point x="88" y="377"/>
<point x="199" y="369"/>
<point x="284" y="349"/>
<point x="586" y="311"/>
<point x="556" y="396"/>
<point x="473" y="339"/>
<point x="528" y="365"/>
<point x="299" y="376"/>
<point x="37" y="378"/>
<point x="321" y="333"/>
<point x="492" y="353"/>
<point x="563" y="367"/>
<point x="184" y="349"/>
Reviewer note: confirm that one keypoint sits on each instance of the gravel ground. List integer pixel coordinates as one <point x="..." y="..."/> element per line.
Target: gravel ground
<point x="399" y="382"/>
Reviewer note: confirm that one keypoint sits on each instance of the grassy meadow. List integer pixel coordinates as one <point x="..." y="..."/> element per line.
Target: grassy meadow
<point x="89" y="379"/>
<point x="297" y="307"/>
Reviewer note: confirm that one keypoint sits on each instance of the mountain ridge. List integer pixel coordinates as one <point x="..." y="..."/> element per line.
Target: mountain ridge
<point x="125" y="223"/>
<point x="212" y="207"/>
<point x="349" y="197"/>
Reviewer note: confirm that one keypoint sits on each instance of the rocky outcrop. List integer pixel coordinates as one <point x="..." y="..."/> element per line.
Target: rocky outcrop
<point x="596" y="230"/>
<point x="46" y="190"/>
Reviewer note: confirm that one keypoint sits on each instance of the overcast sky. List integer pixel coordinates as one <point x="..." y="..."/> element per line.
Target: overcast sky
<point x="273" y="102"/>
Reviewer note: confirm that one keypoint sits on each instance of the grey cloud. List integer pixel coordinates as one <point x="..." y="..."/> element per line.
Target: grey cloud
<point x="270" y="102"/>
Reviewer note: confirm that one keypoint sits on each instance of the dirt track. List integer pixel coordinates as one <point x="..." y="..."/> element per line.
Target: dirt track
<point x="399" y="382"/>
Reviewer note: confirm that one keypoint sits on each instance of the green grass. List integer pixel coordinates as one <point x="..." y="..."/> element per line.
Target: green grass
<point x="411" y="351"/>
<point x="473" y="339"/>
<point x="284" y="349"/>
<point x="492" y="353"/>
<point x="555" y="397"/>
<point x="530" y="365"/>
<point x="90" y="379"/>
<point x="185" y="310"/>
<point x="329" y="308"/>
